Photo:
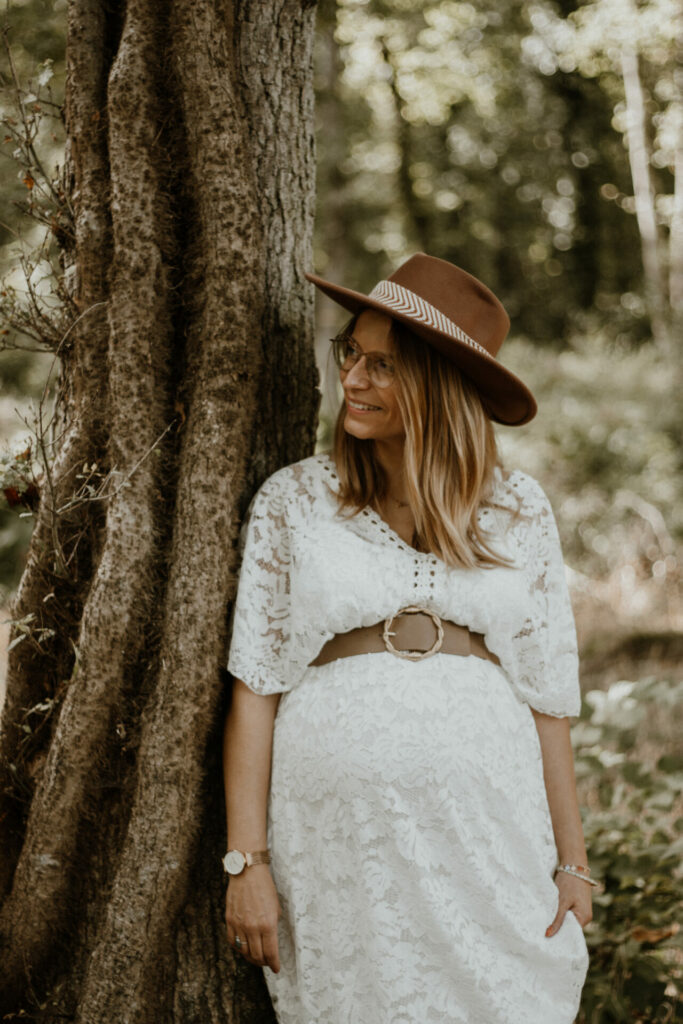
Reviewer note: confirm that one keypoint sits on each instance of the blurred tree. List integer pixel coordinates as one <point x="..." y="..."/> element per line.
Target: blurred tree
<point x="475" y="131"/>
<point x="635" y="52"/>
<point x="185" y="209"/>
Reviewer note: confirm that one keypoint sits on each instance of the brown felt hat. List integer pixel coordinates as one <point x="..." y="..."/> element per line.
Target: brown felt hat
<point x="459" y="316"/>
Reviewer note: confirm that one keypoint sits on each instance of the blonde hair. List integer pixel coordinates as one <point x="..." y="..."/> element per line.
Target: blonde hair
<point x="450" y="455"/>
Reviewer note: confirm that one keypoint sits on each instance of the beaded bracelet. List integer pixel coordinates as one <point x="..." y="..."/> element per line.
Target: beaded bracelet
<point x="571" y="869"/>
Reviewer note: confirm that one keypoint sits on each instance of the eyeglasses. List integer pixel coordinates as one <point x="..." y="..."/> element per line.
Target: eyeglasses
<point x="378" y="366"/>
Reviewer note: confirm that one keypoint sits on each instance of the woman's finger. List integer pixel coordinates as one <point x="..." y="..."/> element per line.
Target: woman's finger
<point x="271" y="953"/>
<point x="255" y="947"/>
<point x="556" y="923"/>
<point x="231" y="931"/>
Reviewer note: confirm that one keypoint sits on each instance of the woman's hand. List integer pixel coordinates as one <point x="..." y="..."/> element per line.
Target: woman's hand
<point x="575" y="895"/>
<point x="252" y="910"/>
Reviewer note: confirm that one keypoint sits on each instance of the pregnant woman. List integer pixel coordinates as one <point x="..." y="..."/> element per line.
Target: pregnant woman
<point x="404" y="838"/>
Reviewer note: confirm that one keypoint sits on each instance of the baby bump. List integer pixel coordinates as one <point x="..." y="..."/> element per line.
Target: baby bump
<point x="378" y="719"/>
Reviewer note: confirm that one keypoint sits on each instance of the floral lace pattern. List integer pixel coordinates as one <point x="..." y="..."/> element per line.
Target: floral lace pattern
<point x="411" y="840"/>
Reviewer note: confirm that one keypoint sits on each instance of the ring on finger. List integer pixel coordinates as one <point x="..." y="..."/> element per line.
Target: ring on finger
<point x="240" y="944"/>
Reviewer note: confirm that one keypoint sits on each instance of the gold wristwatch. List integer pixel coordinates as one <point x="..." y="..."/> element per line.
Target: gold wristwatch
<point x="235" y="861"/>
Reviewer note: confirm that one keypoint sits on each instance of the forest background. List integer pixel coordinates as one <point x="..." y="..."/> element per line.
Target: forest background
<point x="540" y="146"/>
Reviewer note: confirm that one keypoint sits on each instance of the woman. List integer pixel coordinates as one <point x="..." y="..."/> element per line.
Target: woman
<point x="404" y="663"/>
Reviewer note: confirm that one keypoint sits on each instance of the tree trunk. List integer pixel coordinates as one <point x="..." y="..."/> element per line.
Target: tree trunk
<point x="417" y="225"/>
<point x="644" y="197"/>
<point x="676" y="230"/>
<point x="188" y="376"/>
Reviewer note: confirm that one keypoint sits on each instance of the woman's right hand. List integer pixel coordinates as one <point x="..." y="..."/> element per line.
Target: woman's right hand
<point x="252" y="910"/>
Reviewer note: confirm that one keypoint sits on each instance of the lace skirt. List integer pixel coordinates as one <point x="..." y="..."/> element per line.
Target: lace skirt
<point x="413" y="851"/>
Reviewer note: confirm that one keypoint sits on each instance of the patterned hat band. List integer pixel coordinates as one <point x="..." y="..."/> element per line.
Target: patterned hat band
<point x="404" y="301"/>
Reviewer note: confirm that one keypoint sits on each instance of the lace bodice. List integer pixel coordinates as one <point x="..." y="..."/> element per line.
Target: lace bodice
<point x="309" y="571"/>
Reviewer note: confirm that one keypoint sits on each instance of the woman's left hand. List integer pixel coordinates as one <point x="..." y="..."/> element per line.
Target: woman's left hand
<point x="574" y="895"/>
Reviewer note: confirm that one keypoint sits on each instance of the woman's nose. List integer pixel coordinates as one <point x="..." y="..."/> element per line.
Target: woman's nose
<point x="356" y="376"/>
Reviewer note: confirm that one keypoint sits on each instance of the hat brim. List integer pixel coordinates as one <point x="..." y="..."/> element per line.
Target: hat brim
<point x="506" y="398"/>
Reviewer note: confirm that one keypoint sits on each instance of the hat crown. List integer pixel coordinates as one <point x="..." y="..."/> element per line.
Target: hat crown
<point x="458" y="296"/>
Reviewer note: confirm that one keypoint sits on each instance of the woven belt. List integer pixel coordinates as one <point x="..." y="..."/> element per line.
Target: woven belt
<point x="419" y="633"/>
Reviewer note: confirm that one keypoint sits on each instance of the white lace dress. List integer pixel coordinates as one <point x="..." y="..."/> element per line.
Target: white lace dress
<point x="411" y="840"/>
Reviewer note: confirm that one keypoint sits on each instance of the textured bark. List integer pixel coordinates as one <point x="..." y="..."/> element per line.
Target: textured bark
<point x="190" y="377"/>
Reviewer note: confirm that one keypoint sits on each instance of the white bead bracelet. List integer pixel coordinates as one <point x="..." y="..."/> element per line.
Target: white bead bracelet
<point x="569" y="869"/>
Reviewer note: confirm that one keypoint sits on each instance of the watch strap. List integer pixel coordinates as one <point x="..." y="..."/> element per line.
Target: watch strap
<point x="260" y="857"/>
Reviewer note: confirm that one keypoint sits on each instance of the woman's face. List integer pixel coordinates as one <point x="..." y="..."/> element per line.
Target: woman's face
<point x="382" y="421"/>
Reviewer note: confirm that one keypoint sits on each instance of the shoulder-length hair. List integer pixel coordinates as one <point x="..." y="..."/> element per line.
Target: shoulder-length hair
<point x="450" y="455"/>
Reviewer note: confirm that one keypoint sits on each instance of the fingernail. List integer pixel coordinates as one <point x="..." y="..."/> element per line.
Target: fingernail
<point x="548" y="930"/>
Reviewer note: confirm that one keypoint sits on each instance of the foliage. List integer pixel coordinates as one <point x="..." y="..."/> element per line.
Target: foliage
<point x="34" y="304"/>
<point x="36" y="32"/>
<point x="607" y="444"/>
<point x="19" y="496"/>
<point x="35" y="311"/>
<point x="634" y="835"/>
<point x="18" y="485"/>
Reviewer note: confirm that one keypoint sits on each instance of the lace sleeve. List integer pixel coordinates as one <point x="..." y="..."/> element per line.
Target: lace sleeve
<point x="545" y="648"/>
<point x="259" y="647"/>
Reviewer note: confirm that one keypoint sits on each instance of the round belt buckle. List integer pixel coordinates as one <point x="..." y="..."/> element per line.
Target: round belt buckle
<point x="413" y="655"/>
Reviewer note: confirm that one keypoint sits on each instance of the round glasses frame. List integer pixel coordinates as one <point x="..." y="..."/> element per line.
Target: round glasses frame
<point x="379" y="368"/>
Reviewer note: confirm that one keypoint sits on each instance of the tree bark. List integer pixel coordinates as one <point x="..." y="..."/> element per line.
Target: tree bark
<point x="190" y="378"/>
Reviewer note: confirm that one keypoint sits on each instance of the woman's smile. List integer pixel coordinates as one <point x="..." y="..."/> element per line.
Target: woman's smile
<point x="361" y="407"/>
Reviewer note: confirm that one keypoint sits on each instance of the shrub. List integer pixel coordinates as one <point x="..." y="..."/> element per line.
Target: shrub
<point x="634" y="836"/>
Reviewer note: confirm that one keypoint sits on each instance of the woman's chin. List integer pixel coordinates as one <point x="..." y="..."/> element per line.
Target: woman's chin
<point x="363" y="431"/>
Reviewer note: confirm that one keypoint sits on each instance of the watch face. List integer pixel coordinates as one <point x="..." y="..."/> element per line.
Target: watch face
<point x="234" y="862"/>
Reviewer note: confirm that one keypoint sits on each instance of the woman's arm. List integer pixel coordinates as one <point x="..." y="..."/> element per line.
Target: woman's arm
<point x="252" y="905"/>
<point x="560" y="785"/>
